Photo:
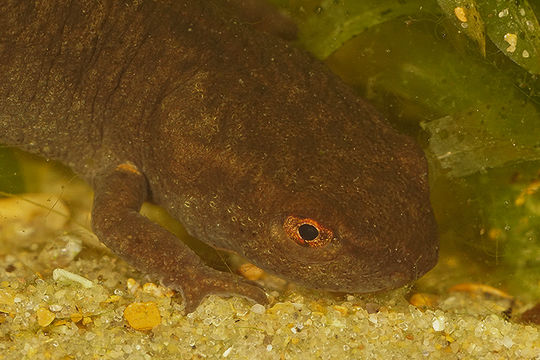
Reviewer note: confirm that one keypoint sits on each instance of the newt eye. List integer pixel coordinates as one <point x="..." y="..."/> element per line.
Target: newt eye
<point x="307" y="232"/>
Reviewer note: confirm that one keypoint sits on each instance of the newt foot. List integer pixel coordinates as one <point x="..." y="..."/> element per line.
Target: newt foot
<point x="220" y="283"/>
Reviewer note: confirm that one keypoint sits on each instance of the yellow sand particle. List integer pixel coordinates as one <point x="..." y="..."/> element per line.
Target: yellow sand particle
<point x="132" y="285"/>
<point x="342" y="309"/>
<point x="6" y="297"/>
<point x="142" y="316"/>
<point x="460" y="14"/>
<point x="315" y="306"/>
<point x="76" y="317"/>
<point x="511" y="39"/>
<point x="250" y="271"/>
<point x="44" y="316"/>
<point x="113" y="298"/>
<point x="423" y="300"/>
<point x="157" y="290"/>
<point x="152" y="289"/>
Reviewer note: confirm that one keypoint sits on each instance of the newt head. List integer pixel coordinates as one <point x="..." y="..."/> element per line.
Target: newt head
<point x="340" y="197"/>
<point x="355" y="225"/>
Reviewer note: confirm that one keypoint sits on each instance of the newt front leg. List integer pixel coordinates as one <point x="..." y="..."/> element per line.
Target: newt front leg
<point x="119" y="194"/>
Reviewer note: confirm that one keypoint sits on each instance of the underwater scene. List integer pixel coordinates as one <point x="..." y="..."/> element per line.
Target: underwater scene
<point x="460" y="77"/>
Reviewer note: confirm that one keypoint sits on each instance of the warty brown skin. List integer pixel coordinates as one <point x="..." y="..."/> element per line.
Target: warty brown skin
<point x="229" y="129"/>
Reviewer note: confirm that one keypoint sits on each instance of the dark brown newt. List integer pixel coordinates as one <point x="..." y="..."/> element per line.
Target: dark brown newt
<point x="251" y="143"/>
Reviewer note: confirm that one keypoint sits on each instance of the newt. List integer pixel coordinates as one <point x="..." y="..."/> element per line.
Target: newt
<point x="251" y="143"/>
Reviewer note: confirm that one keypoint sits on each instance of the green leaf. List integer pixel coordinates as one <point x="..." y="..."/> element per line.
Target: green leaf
<point x="486" y="136"/>
<point x="327" y="26"/>
<point x="514" y="29"/>
<point x="511" y="25"/>
<point x="476" y="116"/>
<point x="464" y="14"/>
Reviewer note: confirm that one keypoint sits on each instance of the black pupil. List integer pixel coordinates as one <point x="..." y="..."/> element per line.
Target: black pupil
<point x="308" y="232"/>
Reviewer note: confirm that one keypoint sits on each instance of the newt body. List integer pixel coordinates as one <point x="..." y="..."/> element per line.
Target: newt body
<point x="251" y="143"/>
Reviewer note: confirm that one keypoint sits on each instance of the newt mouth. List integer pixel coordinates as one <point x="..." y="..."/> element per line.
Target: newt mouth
<point x="334" y="276"/>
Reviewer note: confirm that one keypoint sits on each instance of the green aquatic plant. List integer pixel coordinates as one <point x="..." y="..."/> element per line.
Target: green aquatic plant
<point x="466" y="72"/>
<point x="511" y="25"/>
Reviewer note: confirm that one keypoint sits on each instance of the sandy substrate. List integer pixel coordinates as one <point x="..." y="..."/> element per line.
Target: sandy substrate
<point x="81" y="313"/>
